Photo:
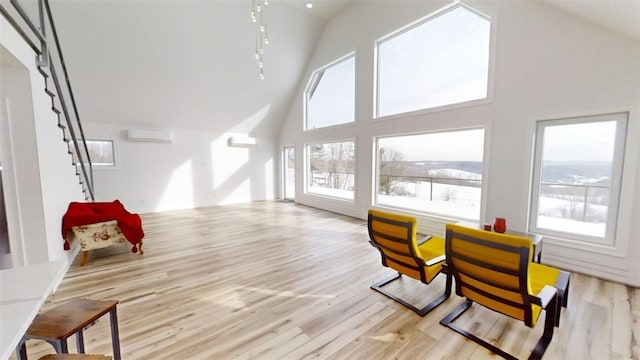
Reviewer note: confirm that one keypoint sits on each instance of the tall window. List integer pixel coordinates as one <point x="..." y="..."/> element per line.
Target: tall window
<point x="576" y="177"/>
<point x="289" y="172"/>
<point x="438" y="173"/>
<point x="331" y="94"/>
<point x="331" y="169"/>
<point x="441" y="61"/>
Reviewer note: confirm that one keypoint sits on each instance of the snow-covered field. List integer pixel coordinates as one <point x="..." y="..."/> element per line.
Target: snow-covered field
<point x="562" y="215"/>
<point x="558" y="214"/>
<point x="453" y="200"/>
<point x="339" y="193"/>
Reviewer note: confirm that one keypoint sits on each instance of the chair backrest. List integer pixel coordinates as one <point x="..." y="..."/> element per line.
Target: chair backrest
<point x="395" y="237"/>
<point x="492" y="269"/>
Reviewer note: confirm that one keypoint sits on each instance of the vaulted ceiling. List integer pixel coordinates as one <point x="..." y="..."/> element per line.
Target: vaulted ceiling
<point x="190" y="64"/>
<point x="622" y="16"/>
<point x="183" y="64"/>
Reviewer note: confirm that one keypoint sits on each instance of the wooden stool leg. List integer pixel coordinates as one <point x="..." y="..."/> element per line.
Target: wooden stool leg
<point x="60" y="346"/>
<point x="21" y="353"/>
<point x="80" y="342"/>
<point x="115" y="338"/>
<point x="85" y="256"/>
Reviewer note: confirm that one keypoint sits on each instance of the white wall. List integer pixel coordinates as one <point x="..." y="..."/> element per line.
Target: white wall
<point x="198" y="169"/>
<point x="545" y="62"/>
<point x="39" y="179"/>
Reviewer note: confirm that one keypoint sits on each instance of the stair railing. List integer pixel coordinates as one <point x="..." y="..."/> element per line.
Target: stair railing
<point x="49" y="56"/>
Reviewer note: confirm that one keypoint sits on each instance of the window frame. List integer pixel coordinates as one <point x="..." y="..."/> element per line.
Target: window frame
<point x="114" y="148"/>
<point x="483" y="173"/>
<point x="485" y="13"/>
<point x="284" y="159"/>
<point x="617" y="174"/>
<point x="314" y="81"/>
<point x="307" y="170"/>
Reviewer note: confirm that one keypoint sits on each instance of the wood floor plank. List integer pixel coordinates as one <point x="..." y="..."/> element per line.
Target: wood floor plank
<point x="278" y="346"/>
<point x="276" y="280"/>
<point x="621" y="336"/>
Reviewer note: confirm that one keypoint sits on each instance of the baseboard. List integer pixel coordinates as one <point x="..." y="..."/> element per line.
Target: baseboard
<point x="621" y="274"/>
<point x="65" y="265"/>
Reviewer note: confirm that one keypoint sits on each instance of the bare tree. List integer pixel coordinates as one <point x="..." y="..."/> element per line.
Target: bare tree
<point x="391" y="166"/>
<point x="340" y="164"/>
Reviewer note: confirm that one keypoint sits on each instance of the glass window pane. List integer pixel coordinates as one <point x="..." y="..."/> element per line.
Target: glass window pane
<point x="332" y="169"/>
<point x="576" y="177"/>
<point x="331" y="95"/>
<point x="432" y="173"/>
<point x="290" y="173"/>
<point x="101" y="152"/>
<point x="442" y="61"/>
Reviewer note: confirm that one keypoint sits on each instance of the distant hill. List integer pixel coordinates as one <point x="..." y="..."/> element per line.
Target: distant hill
<point x="576" y="172"/>
<point x="424" y="168"/>
<point x="565" y="172"/>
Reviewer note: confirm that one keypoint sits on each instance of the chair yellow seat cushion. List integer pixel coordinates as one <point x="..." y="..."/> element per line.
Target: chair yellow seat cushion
<point x="432" y="248"/>
<point x="541" y="275"/>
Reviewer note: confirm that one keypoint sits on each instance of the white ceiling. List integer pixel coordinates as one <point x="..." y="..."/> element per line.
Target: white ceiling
<point x="323" y="9"/>
<point x="622" y="16"/>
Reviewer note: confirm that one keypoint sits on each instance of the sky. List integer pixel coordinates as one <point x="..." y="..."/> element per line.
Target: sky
<point x="567" y="142"/>
<point x="462" y="145"/>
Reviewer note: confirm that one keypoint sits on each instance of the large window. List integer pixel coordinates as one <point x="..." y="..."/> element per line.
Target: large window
<point x="576" y="177"/>
<point x="441" y="61"/>
<point x="331" y="94"/>
<point x="438" y="173"/>
<point x="331" y="169"/>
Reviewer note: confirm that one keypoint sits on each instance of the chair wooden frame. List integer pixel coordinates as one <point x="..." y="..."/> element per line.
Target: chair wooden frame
<point x="418" y="266"/>
<point x="547" y="298"/>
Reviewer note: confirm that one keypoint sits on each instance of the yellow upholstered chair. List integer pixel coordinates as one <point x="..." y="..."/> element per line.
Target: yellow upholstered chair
<point x="395" y="236"/>
<point x="495" y="271"/>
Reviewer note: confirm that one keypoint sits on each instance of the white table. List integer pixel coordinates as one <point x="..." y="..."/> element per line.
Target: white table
<point x="23" y="290"/>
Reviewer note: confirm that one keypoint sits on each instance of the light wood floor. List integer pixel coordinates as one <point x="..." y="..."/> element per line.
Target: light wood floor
<point x="274" y="280"/>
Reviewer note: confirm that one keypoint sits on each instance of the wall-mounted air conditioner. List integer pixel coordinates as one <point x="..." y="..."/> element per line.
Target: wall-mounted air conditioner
<point x="150" y="135"/>
<point x="241" y="141"/>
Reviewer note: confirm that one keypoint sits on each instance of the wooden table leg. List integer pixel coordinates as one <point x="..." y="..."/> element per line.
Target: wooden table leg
<point x="85" y="257"/>
<point x="80" y="342"/>
<point x="115" y="337"/>
<point x="21" y="353"/>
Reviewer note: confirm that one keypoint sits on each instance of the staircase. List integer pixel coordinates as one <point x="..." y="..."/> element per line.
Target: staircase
<point x="43" y="39"/>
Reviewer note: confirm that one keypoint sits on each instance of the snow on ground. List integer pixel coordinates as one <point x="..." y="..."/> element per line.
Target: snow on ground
<point x="464" y="202"/>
